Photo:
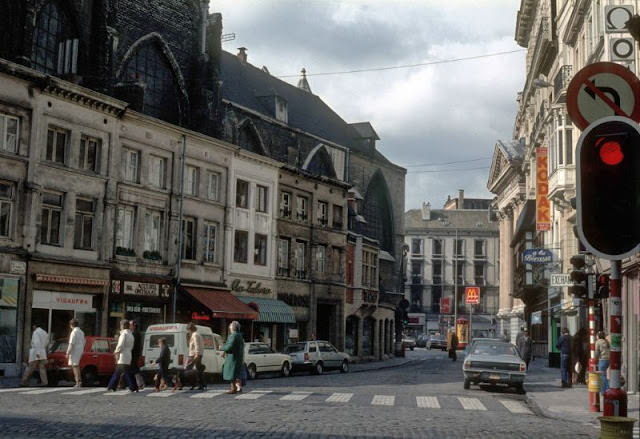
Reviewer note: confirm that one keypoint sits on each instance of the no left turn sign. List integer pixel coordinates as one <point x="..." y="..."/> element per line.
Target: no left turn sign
<point x="603" y="89"/>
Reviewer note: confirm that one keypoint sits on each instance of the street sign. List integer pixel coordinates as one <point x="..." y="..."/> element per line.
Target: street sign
<point x="445" y="305"/>
<point x="536" y="318"/>
<point x="616" y="17"/>
<point x="561" y="280"/>
<point x="473" y="295"/>
<point x="603" y="89"/>
<point x="537" y="256"/>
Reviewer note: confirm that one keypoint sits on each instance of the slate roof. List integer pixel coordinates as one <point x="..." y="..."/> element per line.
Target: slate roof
<point x="247" y="85"/>
<point x="460" y="219"/>
<point x="512" y="150"/>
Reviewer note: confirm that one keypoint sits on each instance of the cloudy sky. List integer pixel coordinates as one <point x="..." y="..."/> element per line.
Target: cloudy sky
<point x="429" y="115"/>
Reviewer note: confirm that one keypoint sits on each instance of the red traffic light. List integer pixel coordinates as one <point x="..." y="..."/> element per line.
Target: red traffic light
<point x="610" y="152"/>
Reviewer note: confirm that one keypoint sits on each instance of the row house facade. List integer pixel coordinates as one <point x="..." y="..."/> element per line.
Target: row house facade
<point x="450" y="249"/>
<point x="561" y="38"/>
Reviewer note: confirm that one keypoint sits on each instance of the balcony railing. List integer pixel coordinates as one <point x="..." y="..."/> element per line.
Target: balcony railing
<point x="561" y="82"/>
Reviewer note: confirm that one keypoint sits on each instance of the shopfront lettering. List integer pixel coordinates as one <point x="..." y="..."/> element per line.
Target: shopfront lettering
<point x="252" y="287"/>
<point x="143" y="309"/>
<point x="71" y="301"/>
<point x="141" y="289"/>
<point x="294" y="300"/>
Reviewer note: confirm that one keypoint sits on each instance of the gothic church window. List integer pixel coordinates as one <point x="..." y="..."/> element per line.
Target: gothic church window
<point x="54" y="50"/>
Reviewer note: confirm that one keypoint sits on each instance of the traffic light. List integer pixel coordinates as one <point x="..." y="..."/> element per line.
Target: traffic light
<point x="578" y="275"/>
<point x="405" y="319"/>
<point x="608" y="187"/>
<point x="602" y="286"/>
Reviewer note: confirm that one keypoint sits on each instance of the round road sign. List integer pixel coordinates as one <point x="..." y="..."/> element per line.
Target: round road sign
<point x="600" y="90"/>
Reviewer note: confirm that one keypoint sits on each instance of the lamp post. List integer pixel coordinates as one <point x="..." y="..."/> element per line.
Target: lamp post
<point x="455" y="284"/>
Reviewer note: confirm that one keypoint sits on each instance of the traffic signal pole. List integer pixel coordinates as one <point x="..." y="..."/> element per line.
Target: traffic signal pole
<point x="594" y="396"/>
<point x="615" y="398"/>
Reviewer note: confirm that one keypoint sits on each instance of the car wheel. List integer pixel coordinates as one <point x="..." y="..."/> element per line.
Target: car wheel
<point x="467" y="384"/>
<point x="251" y="371"/>
<point x="319" y="368"/>
<point x="89" y="376"/>
<point x="345" y="367"/>
<point x="286" y="369"/>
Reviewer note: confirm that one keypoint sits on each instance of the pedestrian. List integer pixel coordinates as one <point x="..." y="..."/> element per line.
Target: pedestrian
<point x="196" y="345"/>
<point x="123" y="358"/>
<point x="452" y="345"/>
<point x="162" y="377"/>
<point x="564" y="345"/>
<point x="233" y="358"/>
<point x="136" y="353"/>
<point x="75" y="350"/>
<point x="505" y="336"/>
<point x="519" y="335"/>
<point x="525" y="347"/>
<point x="37" y="355"/>
<point x="602" y="357"/>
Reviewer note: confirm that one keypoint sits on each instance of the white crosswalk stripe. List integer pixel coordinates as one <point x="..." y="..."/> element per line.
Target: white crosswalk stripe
<point x="13" y="389"/>
<point x="295" y="396"/>
<point x="85" y="392"/>
<point x="208" y="394"/>
<point x="515" y="406"/>
<point x="47" y="390"/>
<point x="383" y="400"/>
<point x="471" y="403"/>
<point x="340" y="397"/>
<point x="165" y="394"/>
<point x="254" y="394"/>
<point x="427" y="402"/>
<point x="117" y="393"/>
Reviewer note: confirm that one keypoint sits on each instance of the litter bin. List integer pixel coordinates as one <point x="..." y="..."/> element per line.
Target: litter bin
<point x="616" y="427"/>
<point x="595" y="381"/>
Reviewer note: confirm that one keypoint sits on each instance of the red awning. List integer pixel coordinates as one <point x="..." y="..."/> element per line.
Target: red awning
<point x="223" y="304"/>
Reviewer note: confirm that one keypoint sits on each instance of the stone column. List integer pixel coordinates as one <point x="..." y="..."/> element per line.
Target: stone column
<point x="507" y="258"/>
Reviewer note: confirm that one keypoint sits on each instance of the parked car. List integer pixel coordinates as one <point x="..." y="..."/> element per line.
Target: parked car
<point x="259" y="358"/>
<point x="177" y="338"/>
<point x="494" y="362"/>
<point x="421" y="340"/>
<point x="96" y="364"/>
<point x="437" y="342"/>
<point x="316" y="356"/>
<point x="409" y="342"/>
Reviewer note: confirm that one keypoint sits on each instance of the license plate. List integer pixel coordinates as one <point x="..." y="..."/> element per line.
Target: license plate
<point x="494" y="377"/>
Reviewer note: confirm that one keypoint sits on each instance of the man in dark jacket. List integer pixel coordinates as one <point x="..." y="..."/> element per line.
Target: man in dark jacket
<point x="564" y="345"/>
<point x="525" y="346"/>
<point x="163" y="365"/>
<point x="136" y="352"/>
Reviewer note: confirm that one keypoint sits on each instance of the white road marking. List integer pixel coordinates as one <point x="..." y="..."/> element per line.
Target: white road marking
<point x="85" y="392"/>
<point x="208" y="394"/>
<point x="254" y="394"/>
<point x="340" y="397"/>
<point x="165" y="393"/>
<point x="13" y="389"/>
<point x="383" y="400"/>
<point x="48" y="390"/>
<point x="427" y="402"/>
<point x="515" y="406"/>
<point x="295" y="396"/>
<point x="118" y="393"/>
<point x="471" y="403"/>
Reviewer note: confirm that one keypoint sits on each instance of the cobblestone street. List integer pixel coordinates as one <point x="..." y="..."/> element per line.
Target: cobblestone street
<point x="423" y="398"/>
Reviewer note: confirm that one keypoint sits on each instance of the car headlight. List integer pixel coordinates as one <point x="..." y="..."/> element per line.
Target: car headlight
<point x="523" y="367"/>
<point x="466" y="365"/>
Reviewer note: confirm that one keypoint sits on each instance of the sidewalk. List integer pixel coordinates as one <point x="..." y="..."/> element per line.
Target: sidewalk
<point x="545" y="394"/>
<point x="410" y="356"/>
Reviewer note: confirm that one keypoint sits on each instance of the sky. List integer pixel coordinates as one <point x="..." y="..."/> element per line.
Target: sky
<point x="428" y="115"/>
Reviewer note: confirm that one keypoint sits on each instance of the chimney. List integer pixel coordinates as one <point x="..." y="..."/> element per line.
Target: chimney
<point x="460" y="198"/>
<point x="242" y="54"/>
<point x="303" y="83"/>
<point x="426" y="211"/>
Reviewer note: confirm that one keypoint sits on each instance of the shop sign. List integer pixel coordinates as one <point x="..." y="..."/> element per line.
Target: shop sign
<point x="136" y="307"/>
<point x="537" y="256"/>
<point x="197" y="316"/>
<point x="141" y="289"/>
<point x="18" y="267"/>
<point x="293" y="333"/>
<point x="536" y="318"/>
<point x="416" y="319"/>
<point x="252" y="287"/>
<point x="543" y="207"/>
<point x="294" y="300"/>
<point x="115" y="286"/>
<point x="57" y="300"/>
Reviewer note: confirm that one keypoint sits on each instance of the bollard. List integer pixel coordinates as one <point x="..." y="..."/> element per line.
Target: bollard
<point x="616" y="427"/>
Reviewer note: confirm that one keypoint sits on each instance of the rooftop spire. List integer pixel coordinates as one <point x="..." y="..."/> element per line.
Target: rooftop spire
<point x="303" y="83"/>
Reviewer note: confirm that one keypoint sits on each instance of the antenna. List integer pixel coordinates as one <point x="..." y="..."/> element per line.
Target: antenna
<point x="227" y="37"/>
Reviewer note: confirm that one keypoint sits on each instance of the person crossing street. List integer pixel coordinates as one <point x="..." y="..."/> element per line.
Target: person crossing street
<point x="75" y="350"/>
<point x="37" y="355"/>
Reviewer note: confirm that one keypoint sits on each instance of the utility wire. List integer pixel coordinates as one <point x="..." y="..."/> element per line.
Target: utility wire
<point x="447" y="170"/>
<point x="407" y="66"/>
<point x="446" y="163"/>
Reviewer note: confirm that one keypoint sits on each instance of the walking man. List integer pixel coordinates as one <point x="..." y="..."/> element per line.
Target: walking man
<point x="136" y="352"/>
<point x="37" y="355"/>
<point x="564" y="344"/>
<point x="75" y="350"/>
<point x="195" y="353"/>
<point x="123" y="359"/>
<point x="452" y="345"/>
<point x="525" y="346"/>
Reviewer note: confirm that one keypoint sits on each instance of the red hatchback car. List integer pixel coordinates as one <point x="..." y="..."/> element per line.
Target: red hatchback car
<point x="97" y="362"/>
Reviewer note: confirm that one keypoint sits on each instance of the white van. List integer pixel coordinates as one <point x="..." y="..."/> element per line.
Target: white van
<point x="177" y="338"/>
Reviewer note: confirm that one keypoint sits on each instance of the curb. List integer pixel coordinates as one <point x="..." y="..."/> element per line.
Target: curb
<point x="539" y="411"/>
<point x="381" y="367"/>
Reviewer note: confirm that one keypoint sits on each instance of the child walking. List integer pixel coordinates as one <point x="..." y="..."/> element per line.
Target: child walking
<point x="162" y="377"/>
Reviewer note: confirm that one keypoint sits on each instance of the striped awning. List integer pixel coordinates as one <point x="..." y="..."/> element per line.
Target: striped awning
<point x="271" y="310"/>
<point x="55" y="279"/>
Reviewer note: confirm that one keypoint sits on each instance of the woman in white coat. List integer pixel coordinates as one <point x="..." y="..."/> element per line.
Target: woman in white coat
<point x="123" y="357"/>
<point x="75" y="350"/>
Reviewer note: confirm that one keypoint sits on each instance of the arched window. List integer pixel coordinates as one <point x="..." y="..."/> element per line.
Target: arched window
<point x="378" y="213"/>
<point x="151" y="67"/>
<point x="321" y="164"/>
<point x="53" y="45"/>
<point x="249" y="140"/>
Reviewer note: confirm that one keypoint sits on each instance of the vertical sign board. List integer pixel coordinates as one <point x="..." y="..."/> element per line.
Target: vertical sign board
<point x="473" y="295"/>
<point x="543" y="209"/>
<point x="445" y="305"/>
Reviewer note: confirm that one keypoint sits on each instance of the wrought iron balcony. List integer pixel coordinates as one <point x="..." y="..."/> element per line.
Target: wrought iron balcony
<point x="561" y="82"/>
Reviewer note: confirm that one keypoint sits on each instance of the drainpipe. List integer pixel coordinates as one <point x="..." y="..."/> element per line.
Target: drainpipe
<point x="179" y="256"/>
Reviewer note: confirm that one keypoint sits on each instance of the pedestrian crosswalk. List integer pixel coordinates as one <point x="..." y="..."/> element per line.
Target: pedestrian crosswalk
<point x="427" y="402"/>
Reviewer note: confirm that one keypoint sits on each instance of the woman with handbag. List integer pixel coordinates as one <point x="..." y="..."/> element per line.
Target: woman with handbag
<point x="233" y="358"/>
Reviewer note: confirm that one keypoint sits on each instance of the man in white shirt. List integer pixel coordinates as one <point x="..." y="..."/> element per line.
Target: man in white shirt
<point x="75" y="350"/>
<point x="37" y="355"/>
<point x="123" y="358"/>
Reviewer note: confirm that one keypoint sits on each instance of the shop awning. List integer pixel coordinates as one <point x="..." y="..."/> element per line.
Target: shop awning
<point x="271" y="310"/>
<point x="222" y="304"/>
<point x="526" y="222"/>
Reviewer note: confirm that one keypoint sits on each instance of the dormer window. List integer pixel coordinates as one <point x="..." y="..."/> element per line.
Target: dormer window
<point x="282" y="111"/>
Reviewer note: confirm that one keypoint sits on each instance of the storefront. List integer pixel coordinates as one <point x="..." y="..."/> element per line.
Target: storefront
<point x="143" y="300"/>
<point x="11" y="292"/>
<point x="274" y="323"/>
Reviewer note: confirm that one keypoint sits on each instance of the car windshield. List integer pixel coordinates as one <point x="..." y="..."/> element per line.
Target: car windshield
<point x="493" y="349"/>
<point x="298" y="347"/>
